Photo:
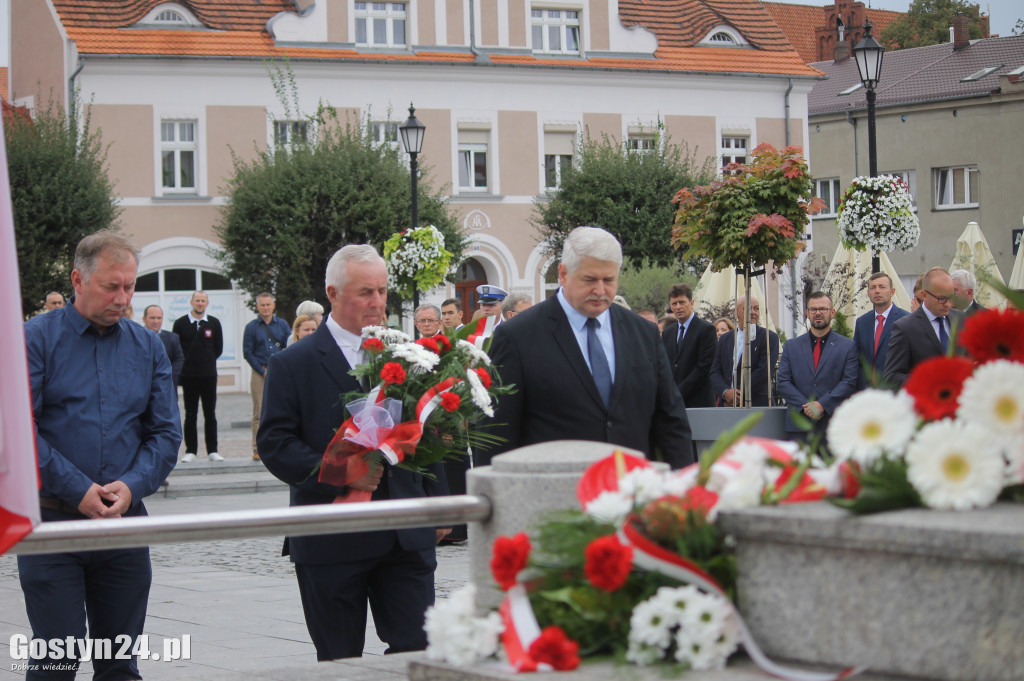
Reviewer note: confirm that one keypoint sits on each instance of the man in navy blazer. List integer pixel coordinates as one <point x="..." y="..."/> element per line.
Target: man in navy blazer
<point x="818" y="369"/>
<point x="918" y="336"/>
<point x="690" y="345"/>
<point x="338" y="573"/>
<point x="764" y="356"/>
<point x="872" y="345"/>
<point x="585" y="369"/>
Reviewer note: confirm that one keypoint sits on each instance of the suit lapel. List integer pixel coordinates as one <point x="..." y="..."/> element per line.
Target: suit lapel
<point x="928" y="328"/>
<point x="565" y="339"/>
<point x="332" y="359"/>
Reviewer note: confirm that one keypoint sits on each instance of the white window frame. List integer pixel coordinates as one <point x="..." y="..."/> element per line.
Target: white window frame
<point x="641" y="142"/>
<point x="284" y="132"/>
<point x="910" y="177"/>
<point x="384" y="132"/>
<point x="470" y="151"/>
<point x="835" y="191"/>
<point x="949" y="172"/>
<point x="560" y="161"/>
<point x="729" y="146"/>
<point x="175" y="147"/>
<point x="564" y="22"/>
<point x="369" y="13"/>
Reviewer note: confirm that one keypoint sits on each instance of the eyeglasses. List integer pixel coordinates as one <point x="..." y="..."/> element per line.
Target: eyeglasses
<point x="941" y="300"/>
<point x="428" y="321"/>
<point x="816" y="310"/>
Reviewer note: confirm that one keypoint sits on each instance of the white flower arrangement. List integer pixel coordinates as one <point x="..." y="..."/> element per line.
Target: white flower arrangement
<point x="421" y="359"/>
<point x="955" y="466"/>
<point x="877" y="213"/>
<point x="481" y="398"/>
<point x="476" y="356"/>
<point x="455" y="635"/>
<point x="386" y="335"/>
<point x="701" y="629"/>
<point x="871" y="424"/>
<point x="416" y="259"/>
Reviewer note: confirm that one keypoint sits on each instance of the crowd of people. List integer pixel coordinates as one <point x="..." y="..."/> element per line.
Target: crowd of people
<point x="108" y="428"/>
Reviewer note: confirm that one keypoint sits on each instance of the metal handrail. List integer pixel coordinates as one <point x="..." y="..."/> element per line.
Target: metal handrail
<point x="122" y="533"/>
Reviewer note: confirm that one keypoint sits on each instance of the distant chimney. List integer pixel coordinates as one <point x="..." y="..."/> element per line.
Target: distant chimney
<point x="841" y="52"/>
<point x="961" y="35"/>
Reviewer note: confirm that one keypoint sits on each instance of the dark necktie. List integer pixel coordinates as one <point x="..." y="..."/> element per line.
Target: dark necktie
<point x="598" y="362"/>
<point x="817" y="352"/>
<point x="878" y="333"/>
<point x="679" y="336"/>
<point x="943" y="337"/>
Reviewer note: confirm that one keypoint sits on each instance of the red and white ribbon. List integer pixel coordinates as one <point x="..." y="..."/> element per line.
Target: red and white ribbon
<point x="521" y="629"/>
<point x="484" y="329"/>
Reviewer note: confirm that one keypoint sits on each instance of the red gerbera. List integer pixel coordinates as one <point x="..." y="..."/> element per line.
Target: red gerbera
<point x="485" y="377"/>
<point x="994" y="334"/>
<point x="374" y="345"/>
<point x="450" y="401"/>
<point x="392" y="373"/>
<point x="553" y="647"/>
<point x="508" y="558"/>
<point x="935" y="385"/>
<point x="607" y="562"/>
<point x="430" y="344"/>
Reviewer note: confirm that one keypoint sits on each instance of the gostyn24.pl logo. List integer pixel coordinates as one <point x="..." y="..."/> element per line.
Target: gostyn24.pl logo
<point x="84" y="649"/>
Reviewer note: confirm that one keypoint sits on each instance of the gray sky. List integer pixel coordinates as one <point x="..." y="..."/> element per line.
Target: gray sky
<point x="1003" y="13"/>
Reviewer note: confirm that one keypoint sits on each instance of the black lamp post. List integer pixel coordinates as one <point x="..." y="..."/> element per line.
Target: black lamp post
<point x="412" y="139"/>
<point x="868" y="54"/>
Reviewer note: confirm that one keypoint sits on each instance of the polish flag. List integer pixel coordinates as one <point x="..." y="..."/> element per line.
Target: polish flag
<point x="19" y="472"/>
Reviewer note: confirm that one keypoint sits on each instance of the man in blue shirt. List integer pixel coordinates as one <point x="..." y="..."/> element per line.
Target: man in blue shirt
<point x="107" y="434"/>
<point x="264" y="337"/>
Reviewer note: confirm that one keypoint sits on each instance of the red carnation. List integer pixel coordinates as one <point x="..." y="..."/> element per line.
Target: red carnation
<point x="392" y="373"/>
<point x="700" y="499"/>
<point x="994" y="334"/>
<point x="508" y="558"/>
<point x="443" y="342"/>
<point x="430" y="344"/>
<point x="485" y="377"/>
<point x="374" y="345"/>
<point x="935" y="385"/>
<point x="607" y="562"/>
<point x="450" y="401"/>
<point x="553" y="647"/>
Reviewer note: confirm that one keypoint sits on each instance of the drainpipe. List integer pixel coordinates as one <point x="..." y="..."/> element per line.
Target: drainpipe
<point x="788" y="90"/>
<point x="71" y="89"/>
<point x="480" y="57"/>
<point x="856" y="154"/>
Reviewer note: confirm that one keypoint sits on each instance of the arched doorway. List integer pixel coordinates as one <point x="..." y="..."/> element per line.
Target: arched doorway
<point x="471" y="275"/>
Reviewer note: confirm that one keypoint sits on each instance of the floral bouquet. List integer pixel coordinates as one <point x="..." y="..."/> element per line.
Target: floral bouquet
<point x="953" y="438"/>
<point x="416" y="259"/>
<point x="641" y="573"/>
<point x="423" y="397"/>
<point x="877" y="213"/>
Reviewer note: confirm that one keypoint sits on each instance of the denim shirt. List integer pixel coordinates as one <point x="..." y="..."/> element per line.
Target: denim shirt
<point x="105" y="407"/>
<point x="257" y="348"/>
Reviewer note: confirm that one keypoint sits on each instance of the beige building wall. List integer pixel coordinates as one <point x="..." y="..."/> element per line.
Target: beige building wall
<point x="128" y="130"/>
<point x="427" y="23"/>
<point x="697" y="132"/>
<point x="520" y="162"/>
<point x="232" y="130"/>
<point x="517" y="23"/>
<point x="37" y="54"/>
<point x="598" y="25"/>
<point x="337" y="22"/>
<point x="489" y="18"/>
<point x="437" y="146"/>
<point x="456" y="23"/>
<point x="147" y="224"/>
<point x="596" y="125"/>
<point x="773" y="131"/>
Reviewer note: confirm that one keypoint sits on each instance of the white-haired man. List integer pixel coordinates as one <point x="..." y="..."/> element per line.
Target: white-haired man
<point x="964" y="285"/>
<point x="339" y="573"/>
<point x="585" y="369"/>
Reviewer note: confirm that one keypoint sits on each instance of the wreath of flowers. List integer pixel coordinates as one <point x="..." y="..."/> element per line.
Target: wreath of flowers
<point x="877" y="213"/>
<point x="416" y="259"/>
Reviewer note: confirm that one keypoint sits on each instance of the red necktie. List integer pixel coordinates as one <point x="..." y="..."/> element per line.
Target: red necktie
<point x="817" y="351"/>
<point x="878" y="335"/>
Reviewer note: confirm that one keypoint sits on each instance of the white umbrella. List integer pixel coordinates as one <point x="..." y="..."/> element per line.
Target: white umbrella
<point x="1017" y="275"/>
<point x="973" y="255"/>
<point x="717" y="292"/>
<point x="847" y="282"/>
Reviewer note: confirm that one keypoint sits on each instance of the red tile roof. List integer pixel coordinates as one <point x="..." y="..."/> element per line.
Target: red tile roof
<point x="241" y="15"/>
<point x="684" y="23"/>
<point x="801" y="23"/>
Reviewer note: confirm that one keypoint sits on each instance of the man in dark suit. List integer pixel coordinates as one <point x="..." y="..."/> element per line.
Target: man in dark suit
<point x="690" y="345"/>
<point x="873" y="328"/>
<point x="337" y="574"/>
<point x="728" y="360"/>
<point x="153" y="319"/>
<point x="585" y="369"/>
<point x="818" y="370"/>
<point x="964" y="284"/>
<point x="202" y="341"/>
<point x="925" y="332"/>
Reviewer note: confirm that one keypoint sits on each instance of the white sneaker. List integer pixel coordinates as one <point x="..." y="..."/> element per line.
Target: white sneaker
<point x="188" y="458"/>
<point x="214" y="456"/>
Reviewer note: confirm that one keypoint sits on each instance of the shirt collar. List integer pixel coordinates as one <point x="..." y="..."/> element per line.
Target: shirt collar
<point x="343" y="338"/>
<point x="193" y="320"/>
<point x="928" y="313"/>
<point x="79" y="323"/>
<point x="886" y="313"/>
<point x="578" y="320"/>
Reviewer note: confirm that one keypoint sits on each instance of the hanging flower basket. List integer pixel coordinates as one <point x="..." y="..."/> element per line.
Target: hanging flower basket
<point x="416" y="260"/>
<point x="877" y="213"/>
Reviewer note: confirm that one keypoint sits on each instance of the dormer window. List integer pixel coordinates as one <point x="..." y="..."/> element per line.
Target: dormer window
<point x="169" y="15"/>
<point x="723" y="36"/>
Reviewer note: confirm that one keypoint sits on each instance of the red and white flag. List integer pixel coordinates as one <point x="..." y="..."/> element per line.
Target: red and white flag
<point x="19" y="472"/>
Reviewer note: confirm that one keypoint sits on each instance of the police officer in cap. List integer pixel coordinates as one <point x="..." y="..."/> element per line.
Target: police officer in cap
<point x="491" y="297"/>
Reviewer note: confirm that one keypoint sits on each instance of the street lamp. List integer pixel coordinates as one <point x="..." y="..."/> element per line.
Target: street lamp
<point x="868" y="54"/>
<point x="412" y="139"/>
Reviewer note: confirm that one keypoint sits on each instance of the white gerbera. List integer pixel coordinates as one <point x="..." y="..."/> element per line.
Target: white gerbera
<point x="610" y="507"/>
<point x="454" y="635"/>
<point x="872" y="423"/>
<point x="481" y="398"/>
<point x="993" y="397"/>
<point x="954" y="466"/>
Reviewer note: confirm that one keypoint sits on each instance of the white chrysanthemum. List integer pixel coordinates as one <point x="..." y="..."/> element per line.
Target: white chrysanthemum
<point x="993" y="397"/>
<point x="871" y="423"/>
<point x="421" y="359"/>
<point x="385" y="334"/>
<point x="677" y="484"/>
<point x="651" y="623"/>
<point x="610" y="507"/>
<point x="708" y="633"/>
<point x="454" y="635"/>
<point x="741" y="491"/>
<point x="955" y="466"/>
<point x="481" y="398"/>
<point x="475" y="355"/>
<point x="643" y="484"/>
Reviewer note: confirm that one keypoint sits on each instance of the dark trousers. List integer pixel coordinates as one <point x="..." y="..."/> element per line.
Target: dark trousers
<point x="455" y="472"/>
<point x="107" y="589"/>
<point x="196" y="388"/>
<point x="399" y="587"/>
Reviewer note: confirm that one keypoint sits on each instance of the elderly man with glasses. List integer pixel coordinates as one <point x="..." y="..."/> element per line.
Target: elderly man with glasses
<point x="927" y="331"/>
<point x="428" y="320"/>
